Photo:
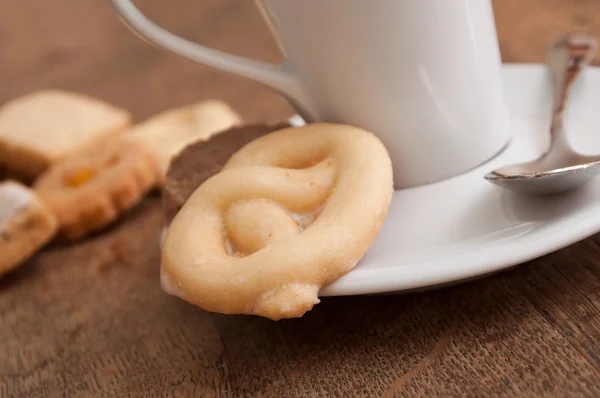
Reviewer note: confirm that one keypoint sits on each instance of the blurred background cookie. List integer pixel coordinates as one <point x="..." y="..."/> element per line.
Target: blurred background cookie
<point x="41" y="127"/>
<point x="92" y="188"/>
<point x="204" y="158"/>
<point x="168" y="132"/>
<point x="26" y="225"/>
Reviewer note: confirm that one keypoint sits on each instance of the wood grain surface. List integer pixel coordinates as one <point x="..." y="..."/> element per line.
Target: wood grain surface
<point x="90" y="319"/>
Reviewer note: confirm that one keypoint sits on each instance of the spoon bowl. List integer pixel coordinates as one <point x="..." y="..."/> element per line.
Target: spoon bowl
<point x="560" y="168"/>
<point x="546" y="182"/>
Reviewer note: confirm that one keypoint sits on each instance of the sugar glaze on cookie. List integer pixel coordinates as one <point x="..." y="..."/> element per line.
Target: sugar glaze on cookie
<point x="14" y="198"/>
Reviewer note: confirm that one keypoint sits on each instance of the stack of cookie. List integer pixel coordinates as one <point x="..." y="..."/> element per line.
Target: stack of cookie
<point x="72" y="164"/>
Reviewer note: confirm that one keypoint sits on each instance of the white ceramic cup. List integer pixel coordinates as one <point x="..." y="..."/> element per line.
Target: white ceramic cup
<point x="423" y="75"/>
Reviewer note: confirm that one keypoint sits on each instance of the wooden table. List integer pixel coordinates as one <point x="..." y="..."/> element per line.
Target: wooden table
<point x="90" y="318"/>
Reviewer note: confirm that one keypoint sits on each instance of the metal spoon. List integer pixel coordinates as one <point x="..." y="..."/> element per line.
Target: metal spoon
<point x="560" y="168"/>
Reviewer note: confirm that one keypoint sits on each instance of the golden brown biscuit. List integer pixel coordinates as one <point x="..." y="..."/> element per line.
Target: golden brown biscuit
<point x="168" y="132"/>
<point x="26" y="225"/>
<point x="41" y="127"/>
<point x="290" y="212"/>
<point x="90" y="189"/>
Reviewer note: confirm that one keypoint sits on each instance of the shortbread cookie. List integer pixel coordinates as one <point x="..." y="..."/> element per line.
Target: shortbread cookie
<point x="290" y="212"/>
<point x="26" y="225"/>
<point x="90" y="189"/>
<point x="202" y="159"/>
<point x="170" y="131"/>
<point x="39" y="128"/>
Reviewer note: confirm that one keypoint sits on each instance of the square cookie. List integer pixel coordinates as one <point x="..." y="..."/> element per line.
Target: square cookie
<point x="25" y="225"/>
<point x="41" y="127"/>
<point x="90" y="189"/>
<point x="168" y="132"/>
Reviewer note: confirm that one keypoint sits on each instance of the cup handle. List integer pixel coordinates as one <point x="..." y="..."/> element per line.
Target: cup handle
<point x="272" y="76"/>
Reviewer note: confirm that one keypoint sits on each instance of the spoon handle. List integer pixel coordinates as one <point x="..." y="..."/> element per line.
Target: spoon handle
<point x="567" y="56"/>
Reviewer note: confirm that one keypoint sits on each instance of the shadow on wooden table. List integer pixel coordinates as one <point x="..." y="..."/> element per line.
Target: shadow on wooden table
<point x="394" y="338"/>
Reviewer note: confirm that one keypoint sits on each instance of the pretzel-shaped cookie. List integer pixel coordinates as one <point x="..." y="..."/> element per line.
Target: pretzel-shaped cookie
<point x="291" y="212"/>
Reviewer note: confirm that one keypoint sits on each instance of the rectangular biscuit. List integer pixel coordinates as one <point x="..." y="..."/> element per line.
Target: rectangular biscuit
<point x="38" y="128"/>
<point x="168" y="132"/>
<point x="25" y="225"/>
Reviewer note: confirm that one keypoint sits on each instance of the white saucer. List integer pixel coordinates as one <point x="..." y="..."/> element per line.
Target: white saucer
<point x="466" y="227"/>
